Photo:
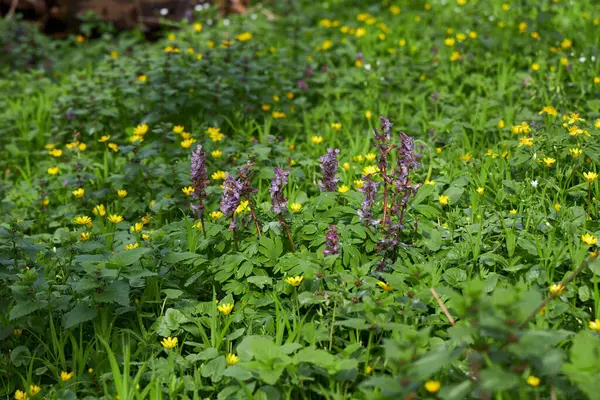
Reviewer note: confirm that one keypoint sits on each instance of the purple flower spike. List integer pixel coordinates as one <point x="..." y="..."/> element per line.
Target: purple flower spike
<point x="369" y="191"/>
<point x="278" y="200"/>
<point x="329" y="165"/>
<point x="331" y="241"/>
<point x="231" y="195"/>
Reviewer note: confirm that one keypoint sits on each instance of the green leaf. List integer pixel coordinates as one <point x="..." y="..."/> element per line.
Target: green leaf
<point x="496" y="379"/>
<point x="116" y="292"/>
<point x="20" y="355"/>
<point x="260" y="281"/>
<point x="79" y="314"/>
<point x="454" y="276"/>
<point x="129" y="257"/>
<point x="25" y="308"/>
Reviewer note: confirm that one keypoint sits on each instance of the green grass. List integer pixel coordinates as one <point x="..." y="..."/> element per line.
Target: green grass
<point x="492" y="294"/>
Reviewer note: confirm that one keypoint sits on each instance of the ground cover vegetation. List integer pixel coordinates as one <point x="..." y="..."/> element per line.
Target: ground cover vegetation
<point x="329" y="199"/>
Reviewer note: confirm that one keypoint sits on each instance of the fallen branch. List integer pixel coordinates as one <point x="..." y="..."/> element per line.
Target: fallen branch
<point x="443" y="307"/>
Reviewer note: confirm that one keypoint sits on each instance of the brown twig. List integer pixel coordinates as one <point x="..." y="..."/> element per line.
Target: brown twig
<point x="13" y="8"/>
<point x="289" y="234"/>
<point x="254" y="216"/>
<point x="443" y="307"/>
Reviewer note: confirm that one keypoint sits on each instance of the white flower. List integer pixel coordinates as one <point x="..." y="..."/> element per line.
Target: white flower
<point x="534" y="183"/>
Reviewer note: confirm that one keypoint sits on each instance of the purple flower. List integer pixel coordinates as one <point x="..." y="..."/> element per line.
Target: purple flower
<point x="230" y="200"/>
<point x="331" y="241"/>
<point x="369" y="191"/>
<point x="278" y="200"/>
<point x="198" y="173"/>
<point x="302" y="85"/>
<point x="329" y="165"/>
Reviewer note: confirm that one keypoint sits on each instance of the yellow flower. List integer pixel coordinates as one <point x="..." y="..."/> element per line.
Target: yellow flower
<point x="219" y="175"/>
<point x="185" y="135"/>
<point x="370" y="170"/>
<point x="295" y="207"/>
<point x="370" y="156"/>
<point x="137" y="227"/>
<point x="136" y="138"/>
<point x="480" y="191"/>
<point x="65" y="376"/>
<point x="99" y="210"/>
<point x="33" y="390"/>
<point x="566" y="44"/>
<point x="215" y="134"/>
<point x="178" y="129"/>
<point x="216" y="153"/>
<point x="104" y="138"/>
<point x="45" y="202"/>
<point x="294" y="281"/>
<point x="433" y="386"/>
<point x="142" y="78"/>
<point x="169" y="343"/>
<point x="278" y="115"/>
<point x="343" y="189"/>
<point x="589" y="240"/>
<point x="53" y="170"/>
<point x="466" y="158"/>
<point x="266" y="107"/>
<point x="360" y="32"/>
<point x="443" y="200"/>
<point x="368" y="114"/>
<point x="131" y="246"/>
<point x="346" y="166"/>
<point x="83" y="220"/>
<point x="115" y="219"/>
<point x="549" y="161"/>
<point x="78" y="192"/>
<point x="72" y="145"/>
<point x="20" y="395"/>
<point x="428" y="182"/>
<point x="226" y="308"/>
<point x="473" y="35"/>
<point x="198" y="27"/>
<point x="557" y="207"/>
<point x="533" y="381"/>
<point x="197" y="225"/>
<point x="395" y="10"/>
<point x="243" y="206"/>
<point x="187" y="143"/>
<point x="113" y="146"/>
<point x="276" y="98"/>
<point x="145" y="236"/>
<point x="461" y="37"/>
<point x="56" y="152"/>
<point x="122" y="193"/>
<point x="449" y="42"/>
<point x="80" y="38"/>
<point x="549" y="110"/>
<point x="316" y="139"/>
<point x="384" y="285"/>
<point x="597" y="80"/>
<point x="535" y="67"/>
<point x="595" y="325"/>
<point x="513" y="212"/>
<point x="326" y="45"/>
<point x="243" y="37"/>
<point x="575" y="152"/>
<point x="336" y="126"/>
<point x="525" y="141"/>
<point x="199" y="57"/>
<point x="590" y="176"/>
<point x="557" y="289"/>
<point x="215" y="215"/>
<point x="564" y="61"/>
<point x="188" y="190"/>
<point x="140" y="130"/>
<point x="368" y="370"/>
<point x="359" y="183"/>
<point x="231" y="359"/>
<point x="573" y="118"/>
<point x="289" y="95"/>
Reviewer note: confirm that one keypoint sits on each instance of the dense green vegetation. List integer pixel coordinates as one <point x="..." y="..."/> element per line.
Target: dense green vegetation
<point x="333" y="199"/>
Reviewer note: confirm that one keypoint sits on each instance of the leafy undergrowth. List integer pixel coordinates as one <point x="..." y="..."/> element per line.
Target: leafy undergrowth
<point x="350" y="200"/>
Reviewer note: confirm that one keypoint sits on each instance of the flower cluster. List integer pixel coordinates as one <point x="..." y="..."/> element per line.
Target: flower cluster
<point x="278" y="200"/>
<point x="329" y="166"/>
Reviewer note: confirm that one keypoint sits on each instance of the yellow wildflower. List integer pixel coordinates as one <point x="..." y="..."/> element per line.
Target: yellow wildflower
<point x="83" y="220"/>
<point x="443" y="199"/>
<point x="595" y="325"/>
<point x="533" y="381"/>
<point x="78" y="192"/>
<point x="216" y="153"/>
<point x="99" y="210"/>
<point x="104" y="138"/>
<point x="278" y="115"/>
<point x="20" y="395"/>
<point x="295" y="207"/>
<point x="56" y="152"/>
<point x="219" y="175"/>
<point x="169" y="343"/>
<point x="589" y="239"/>
<point x="590" y="176"/>
<point x="243" y="37"/>
<point x="226" y="308"/>
<point x="384" y="285"/>
<point x="243" y="206"/>
<point x="480" y="191"/>
<point x="433" y="386"/>
<point x="557" y="289"/>
<point x="137" y="227"/>
<point x="575" y="152"/>
<point x="187" y="143"/>
<point x="231" y="359"/>
<point x="178" y="129"/>
<point x="131" y="246"/>
<point x="294" y="281"/>
<point x="549" y="161"/>
<point x="33" y="390"/>
<point x="115" y="219"/>
<point x="65" y="376"/>
<point x="343" y="189"/>
<point x="142" y="78"/>
<point x="316" y="139"/>
<point x="336" y="126"/>
<point x="215" y="215"/>
<point x="140" y="130"/>
<point x="370" y="170"/>
<point x="122" y="193"/>
<point x="53" y="170"/>
<point x="188" y="190"/>
<point x="549" y="110"/>
<point x="113" y="146"/>
<point x="85" y="236"/>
